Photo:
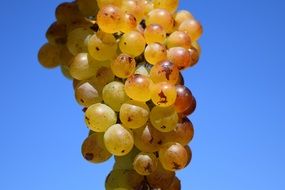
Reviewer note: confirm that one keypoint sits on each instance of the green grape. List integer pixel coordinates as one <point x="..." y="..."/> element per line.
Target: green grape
<point x="129" y="23"/>
<point x="109" y="19"/>
<point x="114" y="95"/>
<point x="118" y="140"/>
<point x="163" y="119"/>
<point x="126" y="162"/>
<point x="148" y="139"/>
<point x="189" y="153"/>
<point x="134" y="114"/>
<point x="161" y="17"/>
<point x="155" y="52"/>
<point x="102" y="3"/>
<point x="160" y="178"/>
<point x="145" y="163"/>
<point x="67" y="12"/>
<point x="103" y="76"/>
<point x="94" y="150"/>
<point x="138" y="87"/>
<point x="132" y="43"/>
<point x="175" y="184"/>
<point x="180" y="56"/>
<point x="77" y="40"/>
<point x="184" y="98"/>
<point x="102" y="46"/>
<point x="183" y="132"/>
<point x="164" y="71"/>
<point x="65" y="57"/>
<point x="154" y="33"/>
<point x="163" y="94"/>
<point x="65" y="71"/>
<point x="83" y="66"/>
<point x="142" y="69"/>
<point x="178" y="39"/>
<point x="123" y="180"/>
<point x="182" y="15"/>
<point x="123" y="66"/>
<point x="56" y="34"/>
<point x="173" y="156"/>
<point x="87" y="7"/>
<point x="192" y="27"/>
<point x="99" y="117"/>
<point x="135" y="8"/>
<point x="48" y="55"/>
<point x="87" y="95"/>
<point x="170" y="5"/>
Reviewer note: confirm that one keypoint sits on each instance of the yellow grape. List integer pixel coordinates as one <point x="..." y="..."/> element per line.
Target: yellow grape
<point x="94" y="150"/>
<point x="123" y="66"/>
<point x="129" y="23"/>
<point x="148" y="6"/>
<point x="118" y="140"/>
<point x="170" y="5"/>
<point x="126" y="162"/>
<point x="99" y="117"/>
<point x="192" y="27"/>
<point x="163" y="94"/>
<point x="180" y="56"/>
<point x="138" y="87"/>
<point x="86" y="94"/>
<point x="145" y="163"/>
<point x="161" y="17"/>
<point x="67" y="12"/>
<point x="155" y="52"/>
<point x="103" y="76"/>
<point x="178" y="39"/>
<point x="56" y="34"/>
<point x="134" y="114"/>
<point x="87" y="7"/>
<point x="182" y="15"/>
<point x="48" y="55"/>
<point x="109" y="18"/>
<point x="164" y="71"/>
<point x="154" y="33"/>
<point x="135" y="8"/>
<point x="132" y="43"/>
<point x="163" y="119"/>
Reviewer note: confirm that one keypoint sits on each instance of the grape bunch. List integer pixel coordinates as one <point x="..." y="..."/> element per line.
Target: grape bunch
<point x="126" y="59"/>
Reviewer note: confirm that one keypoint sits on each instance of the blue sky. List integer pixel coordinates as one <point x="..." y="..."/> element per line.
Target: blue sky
<point x="239" y="85"/>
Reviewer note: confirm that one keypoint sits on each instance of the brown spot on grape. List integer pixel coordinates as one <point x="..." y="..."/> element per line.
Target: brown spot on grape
<point x="159" y="142"/>
<point x="163" y="127"/>
<point x="167" y="71"/>
<point x="176" y="166"/>
<point x="87" y="119"/>
<point x="89" y="156"/>
<point x="130" y="59"/>
<point x="97" y="48"/>
<point x="123" y="151"/>
<point x="163" y="98"/>
<point x="130" y="119"/>
<point x="125" y="43"/>
<point x="81" y="100"/>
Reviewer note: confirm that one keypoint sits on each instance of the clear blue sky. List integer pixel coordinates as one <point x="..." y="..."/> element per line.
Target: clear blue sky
<point x="239" y="84"/>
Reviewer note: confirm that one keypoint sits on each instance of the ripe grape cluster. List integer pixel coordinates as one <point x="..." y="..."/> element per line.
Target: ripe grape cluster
<point x="125" y="58"/>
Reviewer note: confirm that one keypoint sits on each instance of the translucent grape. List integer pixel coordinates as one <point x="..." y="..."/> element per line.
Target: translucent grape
<point x="138" y="87"/>
<point x="67" y="12"/>
<point x="132" y="43"/>
<point x="192" y="27"/>
<point x="76" y="40"/>
<point x="154" y="33"/>
<point x="189" y="153"/>
<point x="123" y="66"/>
<point x="175" y="184"/>
<point x="102" y="46"/>
<point x="145" y="163"/>
<point x="180" y="56"/>
<point x="87" y="94"/>
<point x="163" y="94"/>
<point x="48" y="55"/>
<point x="134" y="114"/>
<point x="161" y="17"/>
<point x="129" y="23"/>
<point x="170" y="5"/>
<point x="118" y="140"/>
<point x="56" y="34"/>
<point x="173" y="156"/>
<point x="190" y="109"/>
<point x="183" y="133"/>
<point x="155" y="52"/>
<point x="114" y="95"/>
<point x="135" y="8"/>
<point x="99" y="117"/>
<point x="87" y="7"/>
<point x="184" y="98"/>
<point x="126" y="162"/>
<point x="94" y="150"/>
<point x="163" y="119"/>
<point x="181" y="16"/>
<point x="164" y="71"/>
<point x="109" y="18"/>
<point x="178" y="39"/>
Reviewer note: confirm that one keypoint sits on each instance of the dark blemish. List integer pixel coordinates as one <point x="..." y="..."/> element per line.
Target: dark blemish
<point x="106" y="14"/>
<point x="123" y="151"/>
<point x="142" y="23"/>
<point x="89" y="156"/>
<point x="84" y="109"/>
<point x="87" y="119"/>
<point x="176" y="166"/>
<point x="163" y="127"/>
<point x="125" y="43"/>
<point x="130" y="119"/>
<point x="95" y="27"/>
<point x="81" y="100"/>
<point x="156" y="154"/>
<point x="130" y="59"/>
<point x="167" y="71"/>
<point x="162" y="97"/>
<point x="97" y="48"/>
<point x="159" y="142"/>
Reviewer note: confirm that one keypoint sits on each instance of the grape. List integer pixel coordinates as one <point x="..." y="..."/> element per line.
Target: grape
<point x="163" y="94"/>
<point x="99" y="117"/>
<point x="155" y="52"/>
<point x="94" y="150"/>
<point x="181" y="16"/>
<point x="83" y="66"/>
<point x="148" y="6"/>
<point x="102" y="46"/>
<point x="175" y="184"/>
<point x="154" y="33"/>
<point x="82" y="23"/>
<point x="191" y="108"/>
<point x="48" y="55"/>
<point x="196" y="45"/>
<point x="173" y="156"/>
<point x="161" y="17"/>
<point x="194" y="54"/>
<point x="135" y="8"/>
<point x="56" y="34"/>
<point x="76" y="40"/>
<point x="145" y="163"/>
<point x="118" y="140"/>
<point x="183" y="132"/>
<point x="123" y="180"/>
<point x="179" y="39"/>
<point x="132" y="43"/>
<point x="180" y="56"/>
<point x="87" y="7"/>
<point x="103" y="76"/>
<point x="65" y="71"/>
<point x="148" y="139"/>
<point x="163" y="119"/>
<point x="129" y="23"/>
<point x="134" y="114"/>
<point x="123" y="66"/>
<point x="109" y="18"/>
<point x="65" y="57"/>
<point x="126" y="162"/>
<point x="114" y="95"/>
<point x="67" y="12"/>
<point x="184" y="98"/>
<point x="102" y="3"/>
<point x="138" y="87"/>
<point x="164" y="71"/>
<point x="192" y="27"/>
<point x="86" y="94"/>
<point x="142" y="69"/>
<point x="170" y="5"/>
<point x="189" y="153"/>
